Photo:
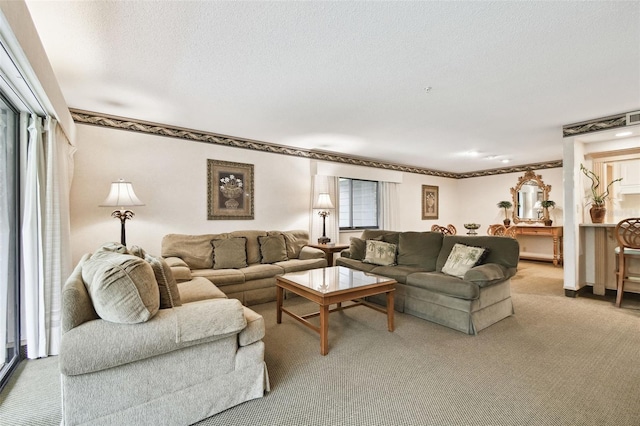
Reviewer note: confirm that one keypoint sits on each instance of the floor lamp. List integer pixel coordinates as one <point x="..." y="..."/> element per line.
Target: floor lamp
<point x="122" y="195"/>
<point x="324" y="204"/>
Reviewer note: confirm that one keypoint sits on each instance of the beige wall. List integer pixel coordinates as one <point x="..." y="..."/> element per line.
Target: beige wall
<point x="169" y="176"/>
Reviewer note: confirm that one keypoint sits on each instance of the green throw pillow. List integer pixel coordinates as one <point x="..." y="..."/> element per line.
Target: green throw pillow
<point x="356" y="248"/>
<point x="230" y="253"/>
<point x="462" y="258"/>
<point x="273" y="249"/>
<point x="380" y="253"/>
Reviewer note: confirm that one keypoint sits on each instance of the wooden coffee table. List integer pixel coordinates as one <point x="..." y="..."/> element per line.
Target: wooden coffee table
<point x="333" y="286"/>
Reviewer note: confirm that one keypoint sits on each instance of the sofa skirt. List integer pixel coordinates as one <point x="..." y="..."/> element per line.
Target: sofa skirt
<point x="468" y="316"/>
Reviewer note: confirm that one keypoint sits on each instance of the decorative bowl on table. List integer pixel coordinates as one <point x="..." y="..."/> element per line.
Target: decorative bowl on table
<point x="472" y="226"/>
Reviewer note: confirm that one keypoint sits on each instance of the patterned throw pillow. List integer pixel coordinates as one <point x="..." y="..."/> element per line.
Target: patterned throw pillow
<point x="462" y="258"/>
<point x="230" y="253"/>
<point x="380" y="253"/>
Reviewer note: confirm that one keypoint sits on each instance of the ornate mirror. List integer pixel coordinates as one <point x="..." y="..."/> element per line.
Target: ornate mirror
<point x="527" y="196"/>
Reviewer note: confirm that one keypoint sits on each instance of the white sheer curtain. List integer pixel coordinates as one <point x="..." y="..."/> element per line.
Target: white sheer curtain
<point x="324" y="184"/>
<point x="389" y="204"/>
<point x="48" y="168"/>
<point x="5" y="230"/>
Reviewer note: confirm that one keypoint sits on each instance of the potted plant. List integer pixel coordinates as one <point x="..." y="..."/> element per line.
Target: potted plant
<point x="505" y="205"/>
<point x="546" y="204"/>
<point x="597" y="200"/>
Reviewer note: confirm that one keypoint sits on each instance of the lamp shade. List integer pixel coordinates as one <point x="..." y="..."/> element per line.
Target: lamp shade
<point x="323" y="202"/>
<point x="121" y="195"/>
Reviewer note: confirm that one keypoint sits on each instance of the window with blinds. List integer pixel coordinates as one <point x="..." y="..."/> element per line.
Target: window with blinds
<point x="358" y="204"/>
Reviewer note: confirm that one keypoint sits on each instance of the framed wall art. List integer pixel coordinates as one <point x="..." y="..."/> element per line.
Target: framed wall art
<point x="430" y="202"/>
<point x="229" y="190"/>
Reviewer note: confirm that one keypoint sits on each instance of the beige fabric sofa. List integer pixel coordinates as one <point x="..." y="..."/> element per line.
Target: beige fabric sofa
<point x="253" y="280"/>
<point x="181" y="365"/>
<point x="470" y="303"/>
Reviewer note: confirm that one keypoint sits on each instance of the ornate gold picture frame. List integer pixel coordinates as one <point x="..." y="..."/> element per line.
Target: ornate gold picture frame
<point x="229" y="190"/>
<point x="430" y="202"/>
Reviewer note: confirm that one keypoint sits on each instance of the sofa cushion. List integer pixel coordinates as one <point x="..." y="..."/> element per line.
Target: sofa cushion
<point x="229" y="253"/>
<point x="444" y="284"/>
<point x="199" y="288"/>
<point x="419" y="249"/>
<point x="220" y="277"/>
<point x="380" y="253"/>
<point x="295" y="265"/>
<point x="195" y="250"/>
<point x="179" y="269"/>
<point x="462" y="258"/>
<point x="167" y="285"/>
<point x="122" y="287"/>
<point x="356" y="248"/>
<point x="273" y="249"/>
<point x="113" y="247"/>
<point x="397" y="272"/>
<point x="259" y="271"/>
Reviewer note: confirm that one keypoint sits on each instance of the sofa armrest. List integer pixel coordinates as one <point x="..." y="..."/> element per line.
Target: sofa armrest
<point x="254" y="331"/>
<point x="487" y="274"/>
<point x="311" y="253"/>
<point x="179" y="269"/>
<point x="346" y="253"/>
<point x="97" y="345"/>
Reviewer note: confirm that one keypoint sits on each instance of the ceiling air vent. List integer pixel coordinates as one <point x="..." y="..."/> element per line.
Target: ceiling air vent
<point x="633" y="118"/>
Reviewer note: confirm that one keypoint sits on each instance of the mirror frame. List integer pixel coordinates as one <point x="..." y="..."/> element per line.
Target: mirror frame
<point x="530" y="176"/>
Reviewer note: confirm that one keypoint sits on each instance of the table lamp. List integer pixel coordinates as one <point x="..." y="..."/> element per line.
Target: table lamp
<point x="324" y="204"/>
<point x="122" y="195"/>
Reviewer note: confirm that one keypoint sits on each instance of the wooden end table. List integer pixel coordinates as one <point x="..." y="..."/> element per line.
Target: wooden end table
<point x="333" y="285"/>
<point x="329" y="250"/>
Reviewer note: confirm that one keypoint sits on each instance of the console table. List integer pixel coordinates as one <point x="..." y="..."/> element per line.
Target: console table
<point x="553" y="232"/>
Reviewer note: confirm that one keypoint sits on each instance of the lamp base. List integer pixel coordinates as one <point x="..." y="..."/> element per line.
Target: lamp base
<point x="324" y="240"/>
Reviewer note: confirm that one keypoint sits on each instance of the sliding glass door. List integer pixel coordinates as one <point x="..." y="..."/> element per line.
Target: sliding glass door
<point x="9" y="273"/>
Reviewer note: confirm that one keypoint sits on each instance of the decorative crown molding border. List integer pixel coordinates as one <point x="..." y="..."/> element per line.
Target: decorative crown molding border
<point x="103" y="120"/>
<point x="596" y="125"/>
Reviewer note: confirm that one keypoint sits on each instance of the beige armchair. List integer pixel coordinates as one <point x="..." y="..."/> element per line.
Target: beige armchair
<point x="183" y="364"/>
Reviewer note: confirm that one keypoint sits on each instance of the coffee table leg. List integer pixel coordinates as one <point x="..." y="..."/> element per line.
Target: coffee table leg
<point x="390" y="310"/>
<point x="279" y="304"/>
<point x="324" y="330"/>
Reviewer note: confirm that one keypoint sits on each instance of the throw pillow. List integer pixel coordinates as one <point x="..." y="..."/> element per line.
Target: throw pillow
<point x="356" y="248"/>
<point x="273" y="249"/>
<point x="230" y="253"/>
<point x="122" y="287"/>
<point x="380" y="253"/>
<point x="462" y="258"/>
<point x="167" y="285"/>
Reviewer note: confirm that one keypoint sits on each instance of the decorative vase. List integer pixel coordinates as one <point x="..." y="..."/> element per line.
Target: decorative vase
<point x="597" y="214"/>
<point x="506" y="222"/>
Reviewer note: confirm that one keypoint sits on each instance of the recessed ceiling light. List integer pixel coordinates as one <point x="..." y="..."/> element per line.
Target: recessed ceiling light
<point x="621" y="134"/>
<point x="490" y="157"/>
<point x="428" y="89"/>
<point x="472" y="153"/>
<point x="506" y="160"/>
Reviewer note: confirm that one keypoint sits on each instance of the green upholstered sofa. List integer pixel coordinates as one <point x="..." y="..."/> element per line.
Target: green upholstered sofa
<point x="469" y="304"/>
<point x="134" y="352"/>
<point x="243" y="264"/>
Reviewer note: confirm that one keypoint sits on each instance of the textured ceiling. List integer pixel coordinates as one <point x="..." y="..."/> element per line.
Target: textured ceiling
<point x="350" y="77"/>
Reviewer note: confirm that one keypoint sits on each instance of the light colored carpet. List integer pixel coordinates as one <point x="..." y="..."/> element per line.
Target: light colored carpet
<point x="557" y="361"/>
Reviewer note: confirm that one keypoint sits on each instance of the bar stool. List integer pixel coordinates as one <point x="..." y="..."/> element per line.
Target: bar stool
<point x="627" y="232"/>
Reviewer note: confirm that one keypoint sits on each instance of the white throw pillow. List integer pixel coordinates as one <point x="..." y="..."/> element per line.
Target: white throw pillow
<point x="380" y="253"/>
<point x="461" y="259"/>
